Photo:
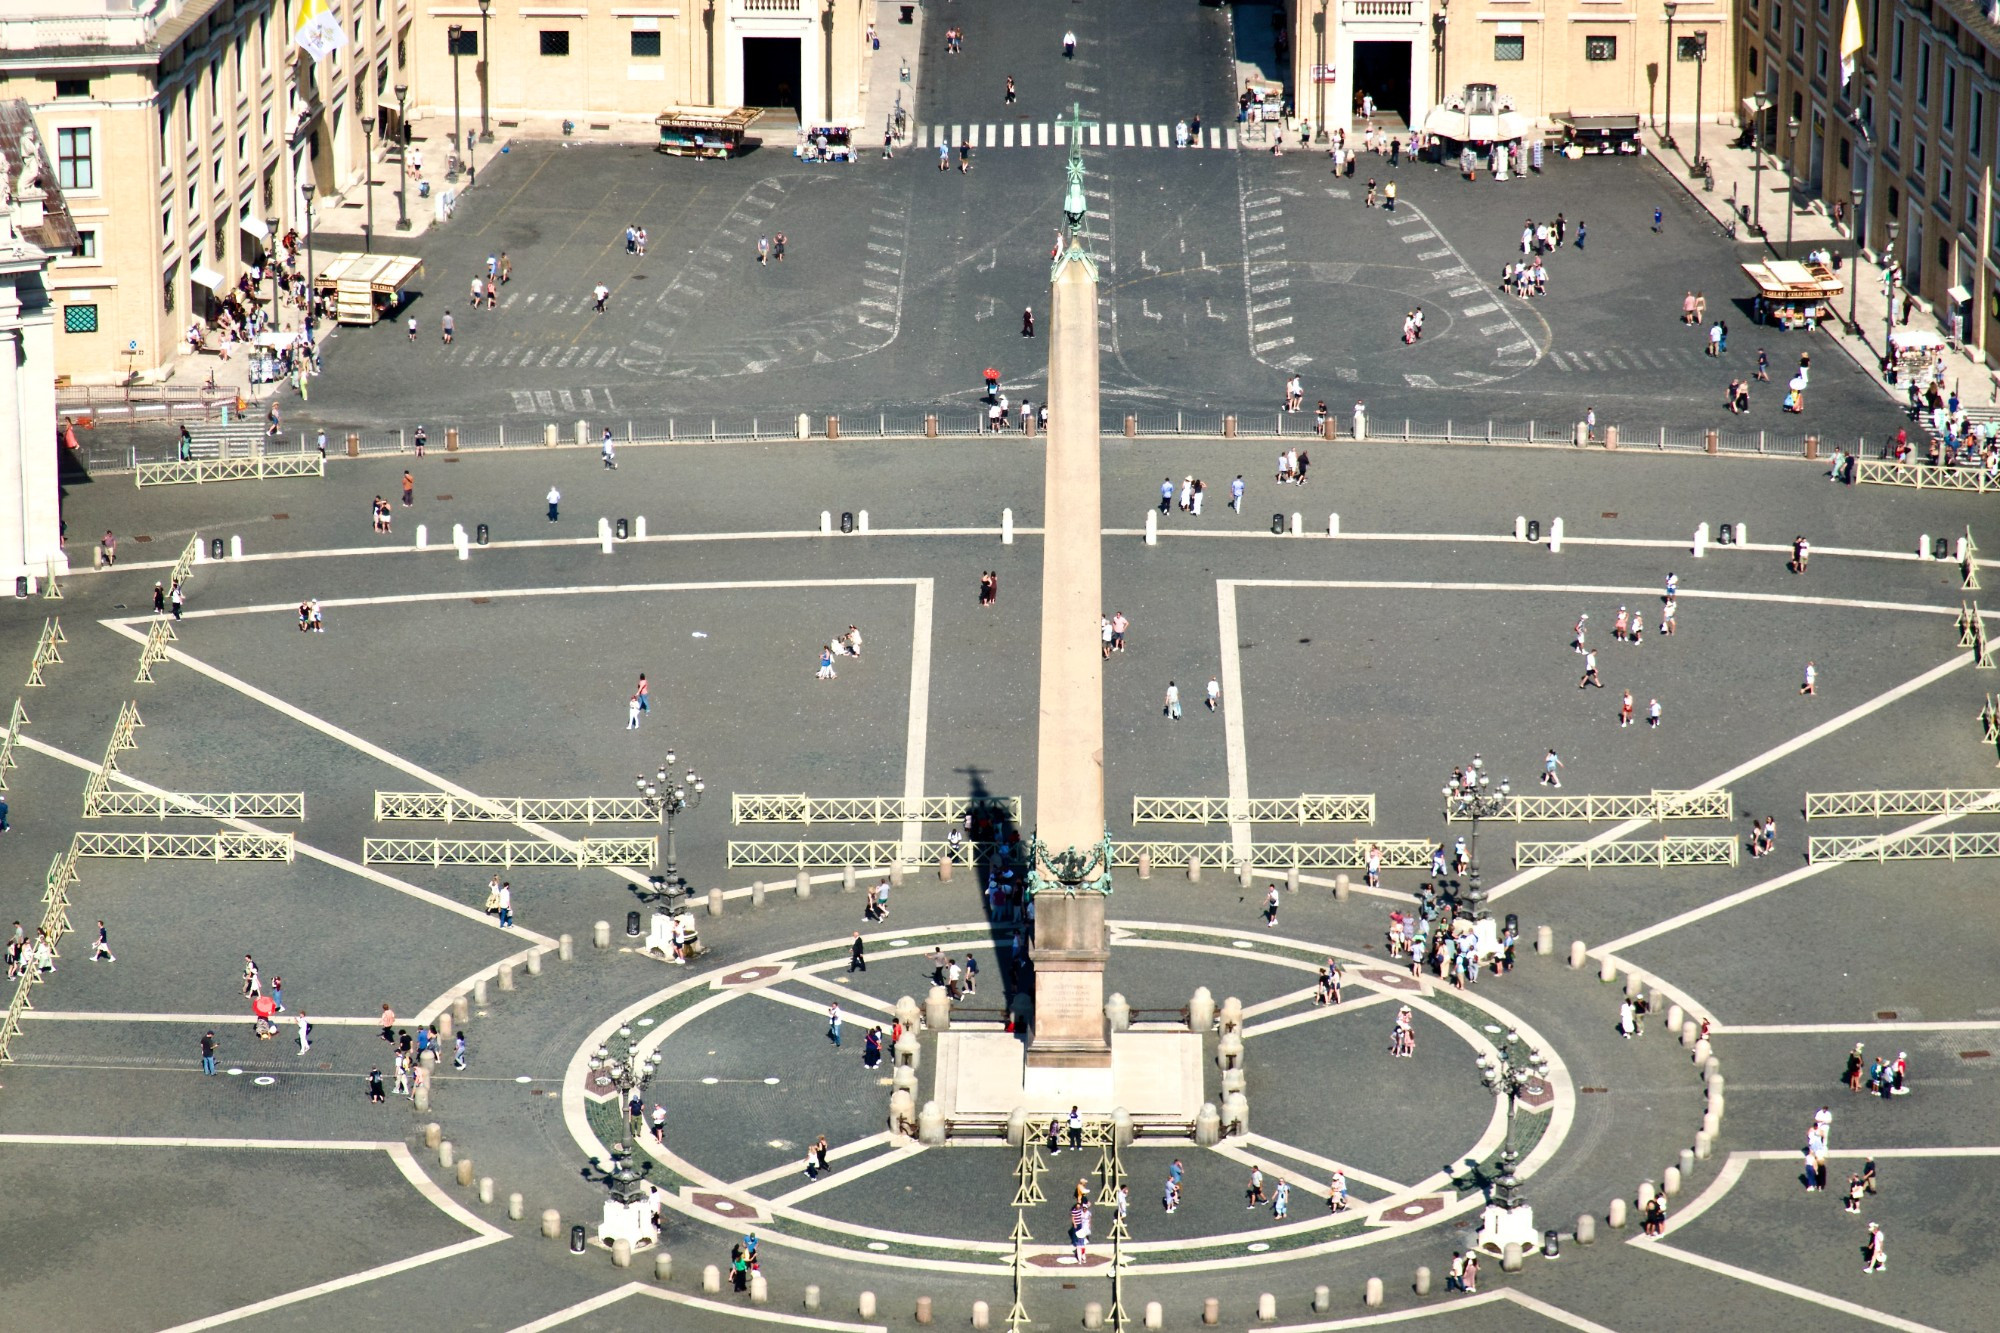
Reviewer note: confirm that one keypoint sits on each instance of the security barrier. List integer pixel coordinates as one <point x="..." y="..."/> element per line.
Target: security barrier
<point x="1924" y="476"/>
<point x="1397" y="854"/>
<point x="223" y="845"/>
<point x="1306" y="809"/>
<point x="46" y="651"/>
<point x="184" y="567"/>
<point x="51" y="590"/>
<point x="1878" y="804"/>
<point x="1903" y="847"/>
<point x="1656" y="804"/>
<point x="437" y="805"/>
<point x="1660" y="852"/>
<point x="158" y="635"/>
<point x="258" y="467"/>
<point x="119" y="804"/>
<point x="122" y="738"/>
<point x="507" y="852"/>
<point x="763" y="808"/>
<point x="15" y="722"/>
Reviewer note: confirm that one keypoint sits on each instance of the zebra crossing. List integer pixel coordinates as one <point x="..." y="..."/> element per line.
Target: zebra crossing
<point x="1110" y="134"/>
<point x="533" y="355"/>
<point x="1605" y="359"/>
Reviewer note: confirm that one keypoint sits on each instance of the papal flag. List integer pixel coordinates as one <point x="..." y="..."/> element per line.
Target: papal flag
<point x="1850" y="41"/>
<point x="319" y="33"/>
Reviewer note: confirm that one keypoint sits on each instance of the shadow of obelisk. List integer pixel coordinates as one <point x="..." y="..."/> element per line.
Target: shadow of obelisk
<point x="1069" y="1055"/>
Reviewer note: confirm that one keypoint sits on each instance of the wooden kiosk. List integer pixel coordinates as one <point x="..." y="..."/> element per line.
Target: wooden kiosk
<point x="705" y="131"/>
<point x="1794" y="295"/>
<point x="365" y="287"/>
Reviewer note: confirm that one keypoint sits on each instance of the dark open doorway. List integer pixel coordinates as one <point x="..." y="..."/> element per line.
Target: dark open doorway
<point x="1382" y="72"/>
<point x="771" y="72"/>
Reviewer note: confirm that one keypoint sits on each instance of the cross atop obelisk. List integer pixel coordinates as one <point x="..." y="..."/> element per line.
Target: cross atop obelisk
<point x="1070" y="877"/>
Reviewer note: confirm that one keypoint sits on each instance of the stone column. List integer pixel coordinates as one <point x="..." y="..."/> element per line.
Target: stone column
<point x="1069" y="945"/>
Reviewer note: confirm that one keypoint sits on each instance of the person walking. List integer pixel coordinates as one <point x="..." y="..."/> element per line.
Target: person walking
<point x="857" y="956"/>
<point x="1173" y="702"/>
<point x="1653" y="715"/>
<point x="833" y="1023"/>
<point x="376" y="1092"/>
<point x="1875" y="1250"/>
<point x="1027" y="322"/>
<point x="1550" y="763"/>
<point x="1454" y="1273"/>
<point x="1271" y="907"/>
<point x="1811" y="683"/>
<point x="1008" y="100"/>
<point x="1590" y="676"/>
<point x="1801" y="552"/>
<point x="102" y="948"/>
<point x="305" y="1032"/>
<point x="609" y="451"/>
<point x="1656" y="220"/>
<point x="600" y="294"/>
<point x="208" y="1052"/>
<point x="1625" y="710"/>
<point x="632" y="713"/>
<point x="177" y="599"/>
<point x="449" y="326"/>
<point x="555" y="504"/>
<point x="1069" y="46"/>
<point x="458" y="1050"/>
<point x="409" y="490"/>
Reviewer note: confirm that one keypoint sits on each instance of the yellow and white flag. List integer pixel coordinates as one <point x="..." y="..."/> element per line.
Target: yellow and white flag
<point x="317" y="32"/>
<point x="1850" y="41"/>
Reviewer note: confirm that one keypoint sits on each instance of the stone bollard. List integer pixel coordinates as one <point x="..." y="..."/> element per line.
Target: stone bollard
<point x="865" y="1305"/>
<point x="909" y="1014"/>
<point x="1586" y="1229"/>
<point x="1545" y="940"/>
<point x="465" y="1171"/>
<point x="1510" y="1258"/>
<point x="461" y="1010"/>
<point x="551" y="1223"/>
<point x="1371" y="1294"/>
<point x="565" y="948"/>
<point x="433" y="1135"/>
<point x="486" y="1189"/>
<point x="1211" y="1311"/>
<point x="1607" y="970"/>
<point x="1646" y="1193"/>
<point x="1711" y="1123"/>
<point x="420" y="1097"/>
<point x="479" y="992"/>
<point x="1236" y="1113"/>
<point x="1118" y="1013"/>
<point x="1342" y="886"/>
<point x="1017" y="1126"/>
<point x="1156" y="1315"/>
<point x="944" y="868"/>
<point x="715" y="902"/>
<point x="1423" y="1287"/>
<point x="1686" y="1163"/>
<point x="1704" y="1145"/>
<point x="517" y="1207"/>
<point x="930" y="1125"/>
<point x="1229" y="1050"/>
<point x="446" y="1025"/>
<point x="600" y="935"/>
<point x="446" y="1154"/>
<point x="1145" y="865"/>
<point x="1577" y="953"/>
<point x="1231" y="1014"/>
<point x="1207" y="1126"/>
<point x="907" y="1051"/>
<point x="1702" y="1051"/>
<point x="1633" y="986"/>
<point x="981" y="1314"/>
<point x="937" y="1010"/>
<point x="1267" y="1308"/>
<point x="1194" y="867"/>
<point x="1715" y="1087"/>
<point x="1201" y="1010"/>
<point x="1244" y="875"/>
<point x="1121" y="1127"/>
<point x="847" y="882"/>
<point x="1712" y="1069"/>
<point x="534" y="963"/>
<point x="1688" y="1031"/>
<point x="812" y="1297"/>
<point x="904" y="1079"/>
<point x="711" y="1279"/>
<point x="621" y="1253"/>
<point x="756" y="894"/>
<point x="1292" y="879"/>
<point x="1322" y="1299"/>
<point x="506" y="976"/>
<point x="1615" y="1217"/>
<point x="896" y="874"/>
<point x="902" y="1111"/>
<point x="1670" y="1181"/>
<point x="1675" y="1017"/>
<point x="1093" y="1314"/>
<point x="802" y="887"/>
<point x="760" y="1289"/>
<point x="663" y="1266"/>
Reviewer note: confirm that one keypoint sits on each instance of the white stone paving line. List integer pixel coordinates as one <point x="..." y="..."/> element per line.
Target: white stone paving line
<point x="399" y="1153"/>
<point x="570" y="1313"/>
<point x="1501" y="1295"/>
<point x="750" y="1184"/>
<point x="901" y="1151"/>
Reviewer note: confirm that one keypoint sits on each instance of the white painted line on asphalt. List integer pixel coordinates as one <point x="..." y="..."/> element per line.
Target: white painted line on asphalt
<point x="918" y="732"/>
<point x="795" y="1001"/>
<point x="1277" y="1002"/>
<point x="1791" y="1289"/>
<point x="1042" y="135"/>
<point x="1310" y="1015"/>
<point x="902" y="1151"/>
<point x="749" y="1184"/>
<point x="1243" y="1150"/>
<point x="1236" y="750"/>
<point x="847" y="995"/>
<point x="193" y="1020"/>
<point x="570" y="1313"/>
<point x="1807" y="1029"/>
<point x="1806" y="872"/>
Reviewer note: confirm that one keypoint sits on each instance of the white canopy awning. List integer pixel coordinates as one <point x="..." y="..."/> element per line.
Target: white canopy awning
<point x="204" y="276"/>
<point x="255" y="226"/>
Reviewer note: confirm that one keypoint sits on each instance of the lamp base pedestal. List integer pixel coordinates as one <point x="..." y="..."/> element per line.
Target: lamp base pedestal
<point x="1501" y="1226"/>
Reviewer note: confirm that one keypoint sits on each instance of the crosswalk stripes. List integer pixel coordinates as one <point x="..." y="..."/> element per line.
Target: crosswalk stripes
<point x="1623" y="358"/>
<point x="1110" y="134"/>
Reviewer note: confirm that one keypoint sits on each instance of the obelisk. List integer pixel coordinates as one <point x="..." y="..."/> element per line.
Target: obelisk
<point x="1071" y="874"/>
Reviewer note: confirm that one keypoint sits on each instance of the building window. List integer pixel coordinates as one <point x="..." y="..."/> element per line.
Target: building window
<point x="167" y="285"/>
<point x="1972" y="208"/>
<point x="1690" y="48"/>
<point x="1948" y="112"/>
<point x="467" y="43"/>
<point x="1777" y="18"/>
<point x="221" y="241"/>
<point x="1923" y="159"/>
<point x="85" y="247"/>
<point x="1974" y="127"/>
<point x="79" y="319"/>
<point x="646" y="46"/>
<point x="555" y="43"/>
<point x="1822" y="62"/>
<point x="1923" y="74"/>
<point x="1753" y="62"/>
<point x="1600" y="48"/>
<point x="1845" y="156"/>
<point x="72" y="87"/>
<point x="1944" y="186"/>
<point x="1895" y="134"/>
<point x="1798" y="39"/>
<point x="76" y="167"/>
<point x="1896" y="56"/>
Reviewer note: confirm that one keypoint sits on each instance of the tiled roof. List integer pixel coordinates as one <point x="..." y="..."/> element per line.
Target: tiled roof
<point x="57" y="233"/>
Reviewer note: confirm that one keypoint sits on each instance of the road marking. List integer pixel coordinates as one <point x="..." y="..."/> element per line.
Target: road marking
<point x="1042" y="135"/>
<point x="1325" y="1164"/>
<point x="1486" y="309"/>
<point x="192" y="1020"/>
<point x="847" y="995"/>
<point x="1314" y="1014"/>
<point x="1807" y="1029"/>
<point x="903" y="1151"/>
<point x="570" y="1313"/>
<point x="796" y="1001"/>
<point x="749" y="1184"/>
<point x="1007" y="136"/>
<point x="1145" y="135"/>
<point x="1235" y="746"/>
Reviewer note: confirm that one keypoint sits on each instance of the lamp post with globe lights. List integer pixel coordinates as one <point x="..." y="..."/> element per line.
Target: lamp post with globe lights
<point x="670" y="797"/>
<point x="1476" y="798"/>
<point x="618" y="1067"/>
<point x="1518" y="1068"/>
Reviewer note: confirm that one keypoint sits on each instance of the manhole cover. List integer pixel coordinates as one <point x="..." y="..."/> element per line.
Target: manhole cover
<point x="482" y="601"/>
<point x="143" y="537"/>
<point x="1886" y="1015"/>
<point x="280" y="518"/>
<point x="1975" y="1055"/>
<point x="444" y="497"/>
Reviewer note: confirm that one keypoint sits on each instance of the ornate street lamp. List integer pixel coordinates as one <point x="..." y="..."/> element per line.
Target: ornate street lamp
<point x="1854" y="232"/>
<point x="1319" y="75"/>
<point x="1667" y="134"/>
<point x="402" y="163"/>
<point x="1758" y="104"/>
<point x="1520" y="1068"/>
<point x="1440" y="23"/>
<point x="669" y="798"/>
<point x="368" y="182"/>
<point x="1791" y="204"/>
<point x="485" y="70"/>
<point x="455" y="34"/>
<point x="307" y="190"/>
<point x="1889" y="288"/>
<point x="1476" y="801"/>
<point x="271" y="262"/>
<point x="1700" y="67"/>
<point x="620" y="1068"/>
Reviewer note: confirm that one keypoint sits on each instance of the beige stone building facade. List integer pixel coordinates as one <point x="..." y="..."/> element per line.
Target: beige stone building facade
<point x="1552" y="59"/>
<point x="597" y="62"/>
<point x="1914" y="132"/>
